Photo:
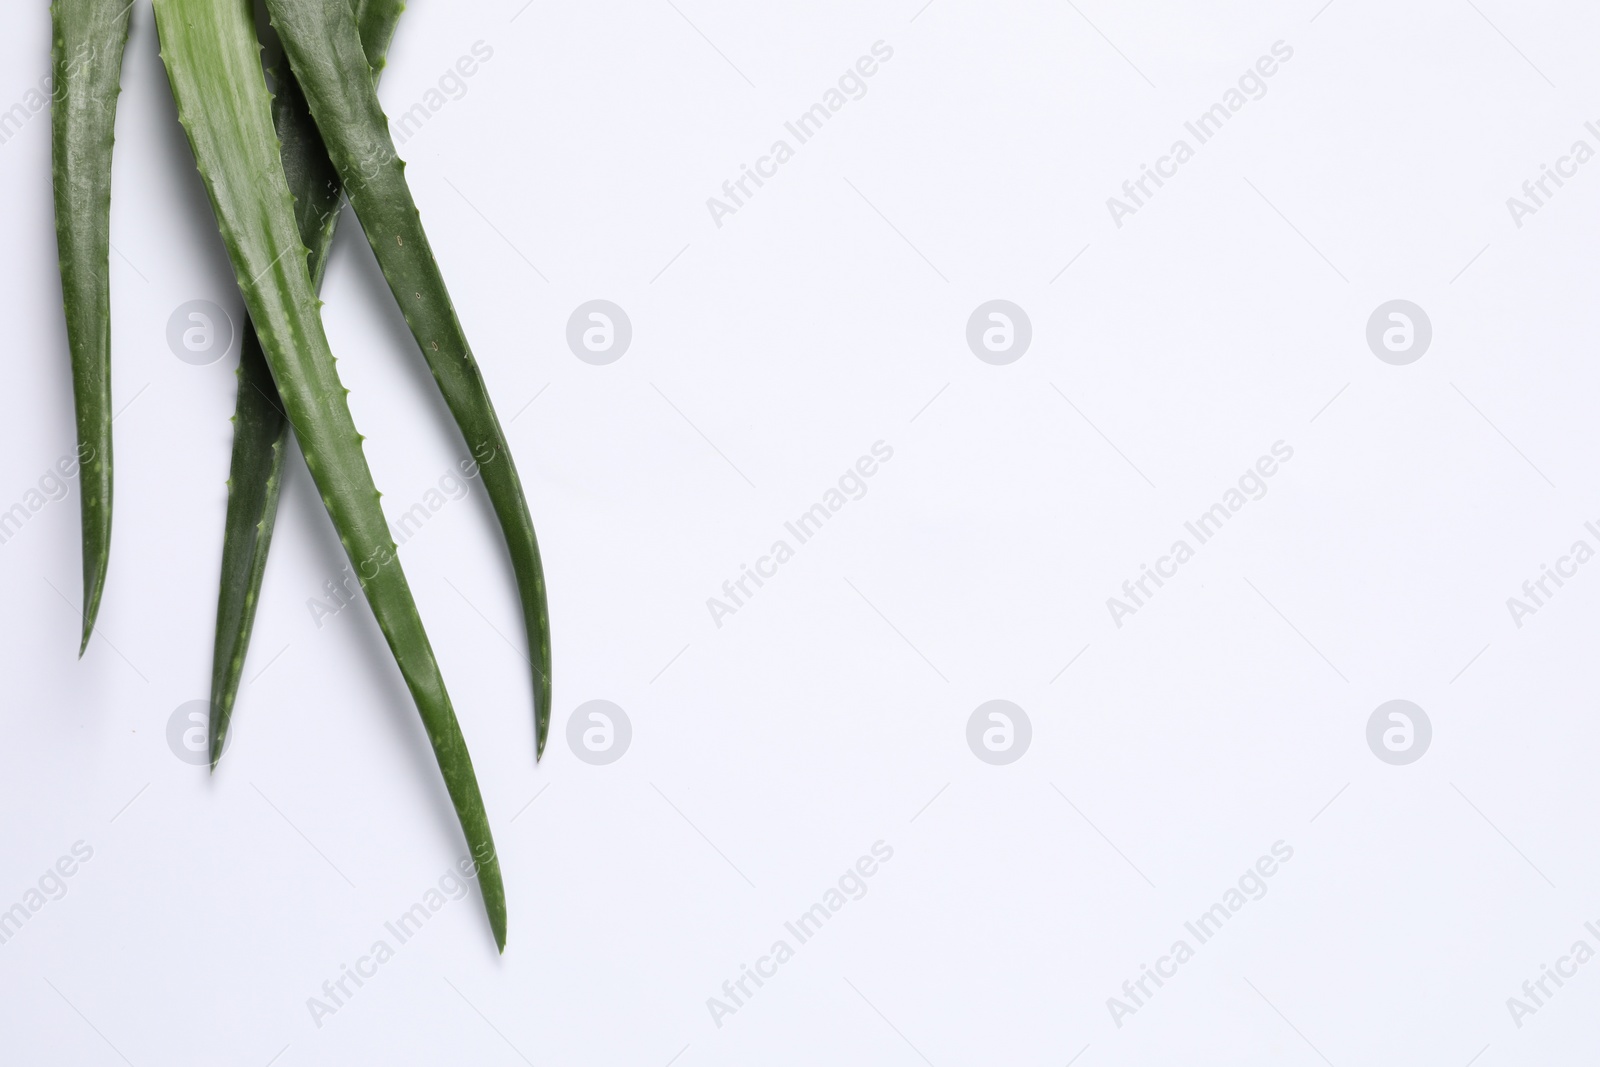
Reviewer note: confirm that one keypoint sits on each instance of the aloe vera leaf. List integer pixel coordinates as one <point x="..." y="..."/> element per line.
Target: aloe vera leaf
<point x="255" y="474"/>
<point x="322" y="43"/>
<point x="88" y="38"/>
<point x="213" y="63"/>
<point x="260" y="432"/>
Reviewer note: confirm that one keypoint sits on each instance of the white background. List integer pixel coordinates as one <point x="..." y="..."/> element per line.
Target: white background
<point x="768" y="754"/>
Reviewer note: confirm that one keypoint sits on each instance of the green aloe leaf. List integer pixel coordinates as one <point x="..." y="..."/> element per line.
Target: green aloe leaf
<point x="214" y="66"/>
<point x="322" y="42"/>
<point x="255" y="474"/>
<point x="88" y="38"/>
<point x="260" y="432"/>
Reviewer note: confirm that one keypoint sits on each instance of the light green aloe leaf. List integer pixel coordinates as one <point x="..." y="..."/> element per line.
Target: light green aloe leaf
<point x="214" y="66"/>
<point x="260" y="432"/>
<point x="323" y="44"/>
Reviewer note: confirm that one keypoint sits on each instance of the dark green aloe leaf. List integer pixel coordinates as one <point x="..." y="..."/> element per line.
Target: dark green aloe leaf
<point x="88" y="38"/>
<point x="214" y="66"/>
<point x="260" y="432"/>
<point x="255" y="474"/>
<point x="322" y="43"/>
